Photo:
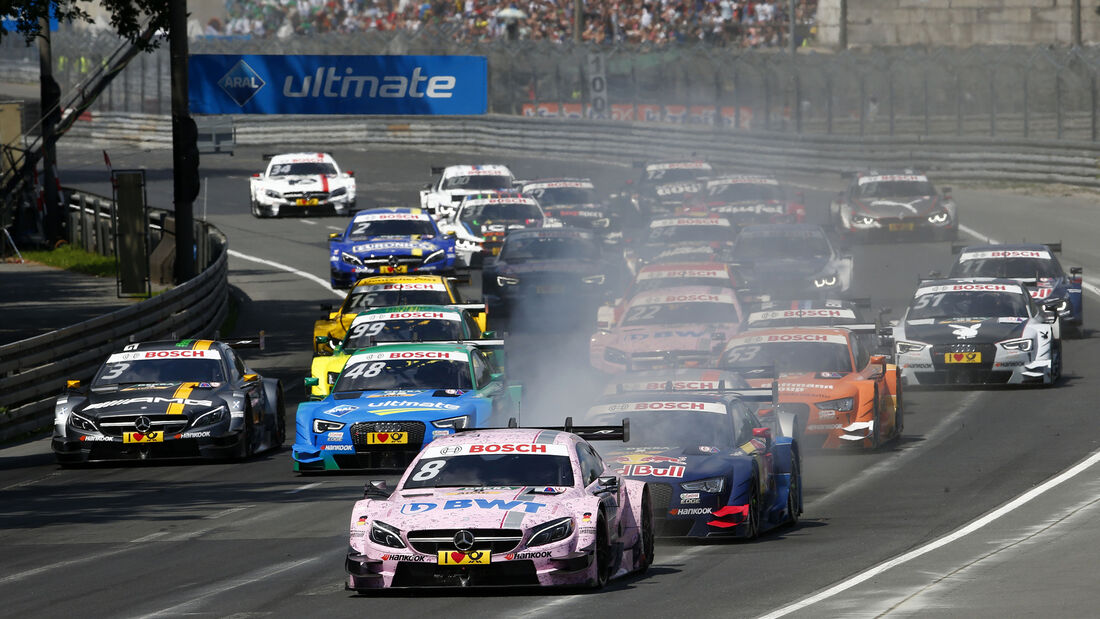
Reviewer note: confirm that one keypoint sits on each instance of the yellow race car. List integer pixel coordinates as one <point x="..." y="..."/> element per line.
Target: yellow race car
<point x="394" y="325"/>
<point x="386" y="291"/>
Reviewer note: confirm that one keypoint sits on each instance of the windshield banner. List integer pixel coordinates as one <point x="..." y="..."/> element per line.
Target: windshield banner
<point x="298" y="84"/>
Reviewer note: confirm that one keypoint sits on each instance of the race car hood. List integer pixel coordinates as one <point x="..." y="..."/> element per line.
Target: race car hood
<point x="810" y="385"/>
<point x="499" y="227"/>
<point x="786" y="268"/>
<point x="550" y="266"/>
<point x="657" y="251"/>
<point x="686" y="338"/>
<point x="187" y="399"/>
<point x="914" y="206"/>
<point x="672" y="463"/>
<point x="413" y="405"/>
<point x="964" y="330"/>
<point x="675" y="191"/>
<point x="395" y="244"/>
<point x="313" y="182"/>
<point x="481" y="508"/>
<point x="567" y="212"/>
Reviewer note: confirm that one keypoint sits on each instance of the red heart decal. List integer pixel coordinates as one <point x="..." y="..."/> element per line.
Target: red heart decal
<point x="958" y="356"/>
<point x="138" y="436"/>
<point x="382" y="436"/>
<point x="457" y="557"/>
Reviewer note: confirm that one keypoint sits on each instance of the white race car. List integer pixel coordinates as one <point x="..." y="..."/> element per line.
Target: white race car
<point x="455" y="182"/>
<point x="481" y="222"/>
<point x="977" y="331"/>
<point x="300" y="183"/>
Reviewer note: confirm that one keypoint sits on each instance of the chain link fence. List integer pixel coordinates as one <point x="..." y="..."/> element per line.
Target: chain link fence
<point x="1038" y="92"/>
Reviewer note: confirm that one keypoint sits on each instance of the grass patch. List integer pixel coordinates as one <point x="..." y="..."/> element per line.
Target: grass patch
<point x="74" y="259"/>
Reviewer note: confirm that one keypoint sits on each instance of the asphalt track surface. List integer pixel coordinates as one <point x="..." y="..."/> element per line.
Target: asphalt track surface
<point x="252" y="539"/>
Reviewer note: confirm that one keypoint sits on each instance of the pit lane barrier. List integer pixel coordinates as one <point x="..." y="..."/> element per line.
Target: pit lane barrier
<point x="33" y="371"/>
<point x="974" y="158"/>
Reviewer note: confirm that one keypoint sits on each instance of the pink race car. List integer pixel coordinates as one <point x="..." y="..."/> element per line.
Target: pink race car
<point x="677" y="326"/>
<point x="503" y="507"/>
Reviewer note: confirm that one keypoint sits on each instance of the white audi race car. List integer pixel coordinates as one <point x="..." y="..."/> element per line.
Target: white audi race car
<point x="298" y="183"/>
<point x="977" y="331"/>
<point x="443" y="197"/>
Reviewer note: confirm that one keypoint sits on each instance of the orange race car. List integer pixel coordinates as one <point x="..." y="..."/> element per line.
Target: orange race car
<point x="839" y="391"/>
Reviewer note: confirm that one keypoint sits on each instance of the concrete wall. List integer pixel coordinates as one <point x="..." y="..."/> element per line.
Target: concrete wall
<point x="957" y="22"/>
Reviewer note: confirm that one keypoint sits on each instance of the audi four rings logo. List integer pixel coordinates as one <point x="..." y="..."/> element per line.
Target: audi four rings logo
<point x="143" y="424"/>
<point x="464" y="540"/>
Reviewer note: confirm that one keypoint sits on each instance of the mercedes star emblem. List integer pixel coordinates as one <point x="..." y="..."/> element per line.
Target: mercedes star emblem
<point x="464" y="540"/>
<point x="143" y="424"/>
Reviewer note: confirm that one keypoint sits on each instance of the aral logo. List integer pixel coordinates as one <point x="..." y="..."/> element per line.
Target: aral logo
<point x="241" y="83"/>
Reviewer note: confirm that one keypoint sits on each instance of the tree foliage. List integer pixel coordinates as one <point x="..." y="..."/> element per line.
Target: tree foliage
<point x="129" y="18"/>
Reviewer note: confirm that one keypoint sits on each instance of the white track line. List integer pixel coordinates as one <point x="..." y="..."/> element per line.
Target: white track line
<point x="308" y="221"/>
<point x="975" y="525"/>
<point x="305" y="487"/>
<point x="198" y="597"/>
<point x="282" y="267"/>
<point x="1091" y="287"/>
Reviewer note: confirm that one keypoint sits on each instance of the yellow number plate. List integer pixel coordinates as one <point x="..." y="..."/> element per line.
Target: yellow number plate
<point x="138" y="437"/>
<point x="962" y="357"/>
<point x="401" y="268"/>
<point x="900" y="227"/>
<point x="307" y="201"/>
<point x="387" y="438"/>
<point x="446" y="557"/>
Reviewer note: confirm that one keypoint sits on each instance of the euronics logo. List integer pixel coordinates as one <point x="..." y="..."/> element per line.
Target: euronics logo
<point x="241" y="83"/>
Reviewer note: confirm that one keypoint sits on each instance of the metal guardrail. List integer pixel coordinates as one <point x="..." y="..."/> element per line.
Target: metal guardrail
<point x="961" y="158"/>
<point x="33" y="371"/>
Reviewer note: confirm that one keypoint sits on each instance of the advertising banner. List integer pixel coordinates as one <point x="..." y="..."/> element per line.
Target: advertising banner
<point x="267" y="84"/>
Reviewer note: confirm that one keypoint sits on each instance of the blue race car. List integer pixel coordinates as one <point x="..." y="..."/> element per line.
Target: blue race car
<point x="391" y="400"/>
<point x="1033" y="265"/>
<point x="389" y="241"/>
<point x="713" y="467"/>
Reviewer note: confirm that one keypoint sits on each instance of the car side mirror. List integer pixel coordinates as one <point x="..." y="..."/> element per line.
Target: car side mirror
<point x="609" y="483"/>
<point x="489" y="335"/>
<point x="334" y="235"/>
<point x="879" y="361"/>
<point x="323" y="339"/>
<point x="248" y="378"/>
<point x="495" y="376"/>
<point x="72" y="384"/>
<point x="376" y="489"/>
<point x="427" y="186"/>
<point x="764" y="434"/>
<point x="450" y="232"/>
<point x="1048" y="316"/>
<point x="312" y="381"/>
<point x="349" y="173"/>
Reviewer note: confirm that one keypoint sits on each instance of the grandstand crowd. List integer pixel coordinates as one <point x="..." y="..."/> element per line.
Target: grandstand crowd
<point x="743" y="23"/>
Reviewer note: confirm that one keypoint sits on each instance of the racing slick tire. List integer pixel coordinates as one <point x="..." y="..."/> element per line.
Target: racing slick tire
<point x="280" y="421"/>
<point x="1055" y="363"/>
<point x="899" y="412"/>
<point x="794" y="493"/>
<point x="647" y="534"/>
<point x="257" y="210"/>
<point x="604" y="562"/>
<point x="876" y="422"/>
<point x="246" y="449"/>
<point x="752" y="525"/>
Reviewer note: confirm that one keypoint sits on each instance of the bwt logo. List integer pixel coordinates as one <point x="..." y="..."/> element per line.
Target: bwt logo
<point x="326" y="83"/>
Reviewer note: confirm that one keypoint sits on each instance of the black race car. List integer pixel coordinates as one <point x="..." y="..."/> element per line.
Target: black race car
<point x="790" y="260"/>
<point x="693" y="237"/>
<point x="175" y="399"/>
<point x="664" y="185"/>
<point x="550" y="271"/>
<point x="747" y="199"/>
<point x="574" y="203"/>
<point x="892" y="204"/>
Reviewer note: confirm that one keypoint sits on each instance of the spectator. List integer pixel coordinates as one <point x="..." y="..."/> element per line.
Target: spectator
<point x="746" y="23"/>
